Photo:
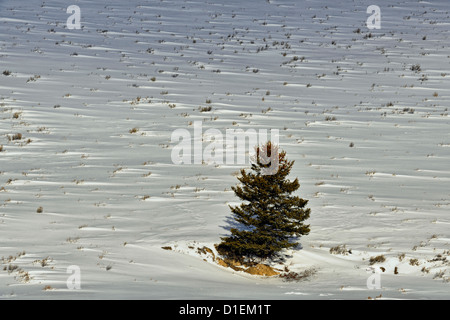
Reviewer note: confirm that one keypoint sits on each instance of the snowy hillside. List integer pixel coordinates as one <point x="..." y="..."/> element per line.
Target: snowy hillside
<point x="86" y="118"/>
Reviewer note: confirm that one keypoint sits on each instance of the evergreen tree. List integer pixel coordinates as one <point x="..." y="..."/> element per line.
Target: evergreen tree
<point x="270" y="217"/>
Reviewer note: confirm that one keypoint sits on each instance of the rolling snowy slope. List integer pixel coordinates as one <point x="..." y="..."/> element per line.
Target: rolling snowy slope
<point x="90" y="180"/>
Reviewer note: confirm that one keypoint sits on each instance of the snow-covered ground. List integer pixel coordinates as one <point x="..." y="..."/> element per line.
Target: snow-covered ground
<point x="364" y="114"/>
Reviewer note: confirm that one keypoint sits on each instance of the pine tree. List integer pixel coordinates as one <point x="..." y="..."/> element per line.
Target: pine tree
<point x="271" y="219"/>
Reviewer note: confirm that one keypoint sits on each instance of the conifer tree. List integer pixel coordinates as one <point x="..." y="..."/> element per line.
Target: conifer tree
<point x="271" y="219"/>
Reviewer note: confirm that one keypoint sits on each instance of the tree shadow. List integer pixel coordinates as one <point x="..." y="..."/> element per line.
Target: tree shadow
<point x="280" y="257"/>
<point x="231" y="223"/>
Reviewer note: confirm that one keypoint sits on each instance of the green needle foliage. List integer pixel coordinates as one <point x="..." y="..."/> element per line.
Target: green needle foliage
<point x="271" y="218"/>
